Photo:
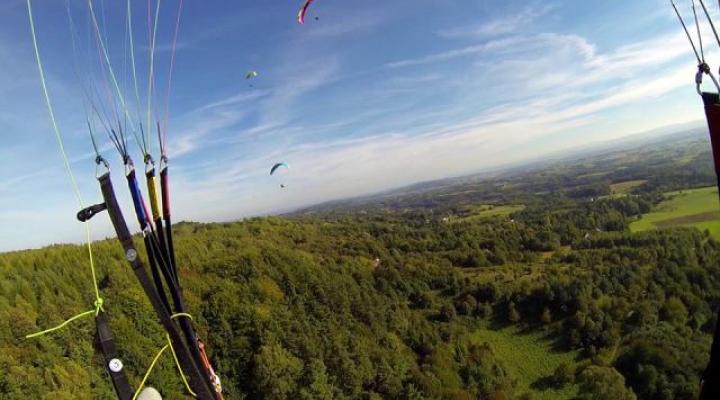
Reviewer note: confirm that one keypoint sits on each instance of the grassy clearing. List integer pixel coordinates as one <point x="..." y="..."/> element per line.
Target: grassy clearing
<point x="529" y="357"/>
<point x="684" y="160"/>
<point x="546" y="255"/>
<point x="488" y="211"/>
<point x="695" y="207"/>
<point x="593" y="174"/>
<point x="688" y="220"/>
<point x="622" y="188"/>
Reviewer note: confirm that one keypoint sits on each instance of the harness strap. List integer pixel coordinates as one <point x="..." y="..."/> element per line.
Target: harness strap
<point x="197" y="380"/>
<point x="113" y="364"/>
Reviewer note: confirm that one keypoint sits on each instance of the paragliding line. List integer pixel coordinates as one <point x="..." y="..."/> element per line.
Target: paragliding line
<point x="120" y="382"/>
<point x="140" y="141"/>
<point x="151" y="77"/>
<point x="163" y="136"/>
<point x="712" y="25"/>
<point x="687" y="33"/>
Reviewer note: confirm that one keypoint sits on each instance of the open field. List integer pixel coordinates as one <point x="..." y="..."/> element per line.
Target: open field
<point x="694" y="207"/>
<point x="598" y="174"/>
<point x="487" y="211"/>
<point x="622" y="188"/>
<point x="530" y="357"/>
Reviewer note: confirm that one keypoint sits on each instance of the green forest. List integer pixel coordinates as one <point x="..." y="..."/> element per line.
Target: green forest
<point x="526" y="285"/>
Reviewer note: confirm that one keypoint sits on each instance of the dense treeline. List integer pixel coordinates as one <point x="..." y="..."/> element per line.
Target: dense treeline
<point x="384" y="304"/>
<point x="293" y="309"/>
<point x="303" y="308"/>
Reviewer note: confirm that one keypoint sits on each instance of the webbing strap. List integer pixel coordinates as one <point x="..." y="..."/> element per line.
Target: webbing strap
<point x="155" y="271"/>
<point x="113" y="364"/>
<point x="151" y="181"/>
<point x="142" y="218"/>
<point x="197" y="379"/>
<point x="165" y="195"/>
<point x="138" y="202"/>
<point x="178" y="302"/>
<point x="152" y="193"/>
<point x="159" y="264"/>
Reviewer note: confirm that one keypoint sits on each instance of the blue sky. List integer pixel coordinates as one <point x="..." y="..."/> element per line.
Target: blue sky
<point x="372" y="95"/>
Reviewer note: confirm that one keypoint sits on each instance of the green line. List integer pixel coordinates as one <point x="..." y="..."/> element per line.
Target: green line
<point x="66" y="161"/>
<point x="81" y="315"/>
<point x="180" y="371"/>
<point x="58" y="136"/>
<point x="149" y="370"/>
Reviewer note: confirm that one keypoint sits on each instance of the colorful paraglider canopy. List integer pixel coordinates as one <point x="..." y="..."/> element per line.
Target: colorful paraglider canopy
<point x="303" y="11"/>
<point x="278" y="166"/>
<point x="251" y="75"/>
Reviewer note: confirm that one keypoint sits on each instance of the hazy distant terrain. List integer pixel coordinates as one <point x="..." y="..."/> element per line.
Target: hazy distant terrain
<point x="613" y="163"/>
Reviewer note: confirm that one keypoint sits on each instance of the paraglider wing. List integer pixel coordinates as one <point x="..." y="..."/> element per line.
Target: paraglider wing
<point x="278" y="166"/>
<point x="303" y="11"/>
<point x="251" y="75"/>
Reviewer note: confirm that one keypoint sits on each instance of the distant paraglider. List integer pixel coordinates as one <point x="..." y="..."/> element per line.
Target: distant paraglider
<point x="277" y="167"/>
<point x="250" y="76"/>
<point x="303" y="11"/>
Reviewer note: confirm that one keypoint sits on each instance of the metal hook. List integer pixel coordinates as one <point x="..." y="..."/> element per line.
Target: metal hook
<point x="102" y="167"/>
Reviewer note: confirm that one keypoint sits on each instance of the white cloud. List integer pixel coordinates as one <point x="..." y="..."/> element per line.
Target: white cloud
<point x="199" y="127"/>
<point x="507" y="24"/>
<point x="452" y="54"/>
<point x="235" y="100"/>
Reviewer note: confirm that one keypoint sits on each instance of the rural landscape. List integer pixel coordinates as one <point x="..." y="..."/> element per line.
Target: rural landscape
<point x="594" y="276"/>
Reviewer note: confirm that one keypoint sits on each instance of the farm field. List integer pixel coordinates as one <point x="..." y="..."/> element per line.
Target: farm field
<point x="694" y="207"/>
